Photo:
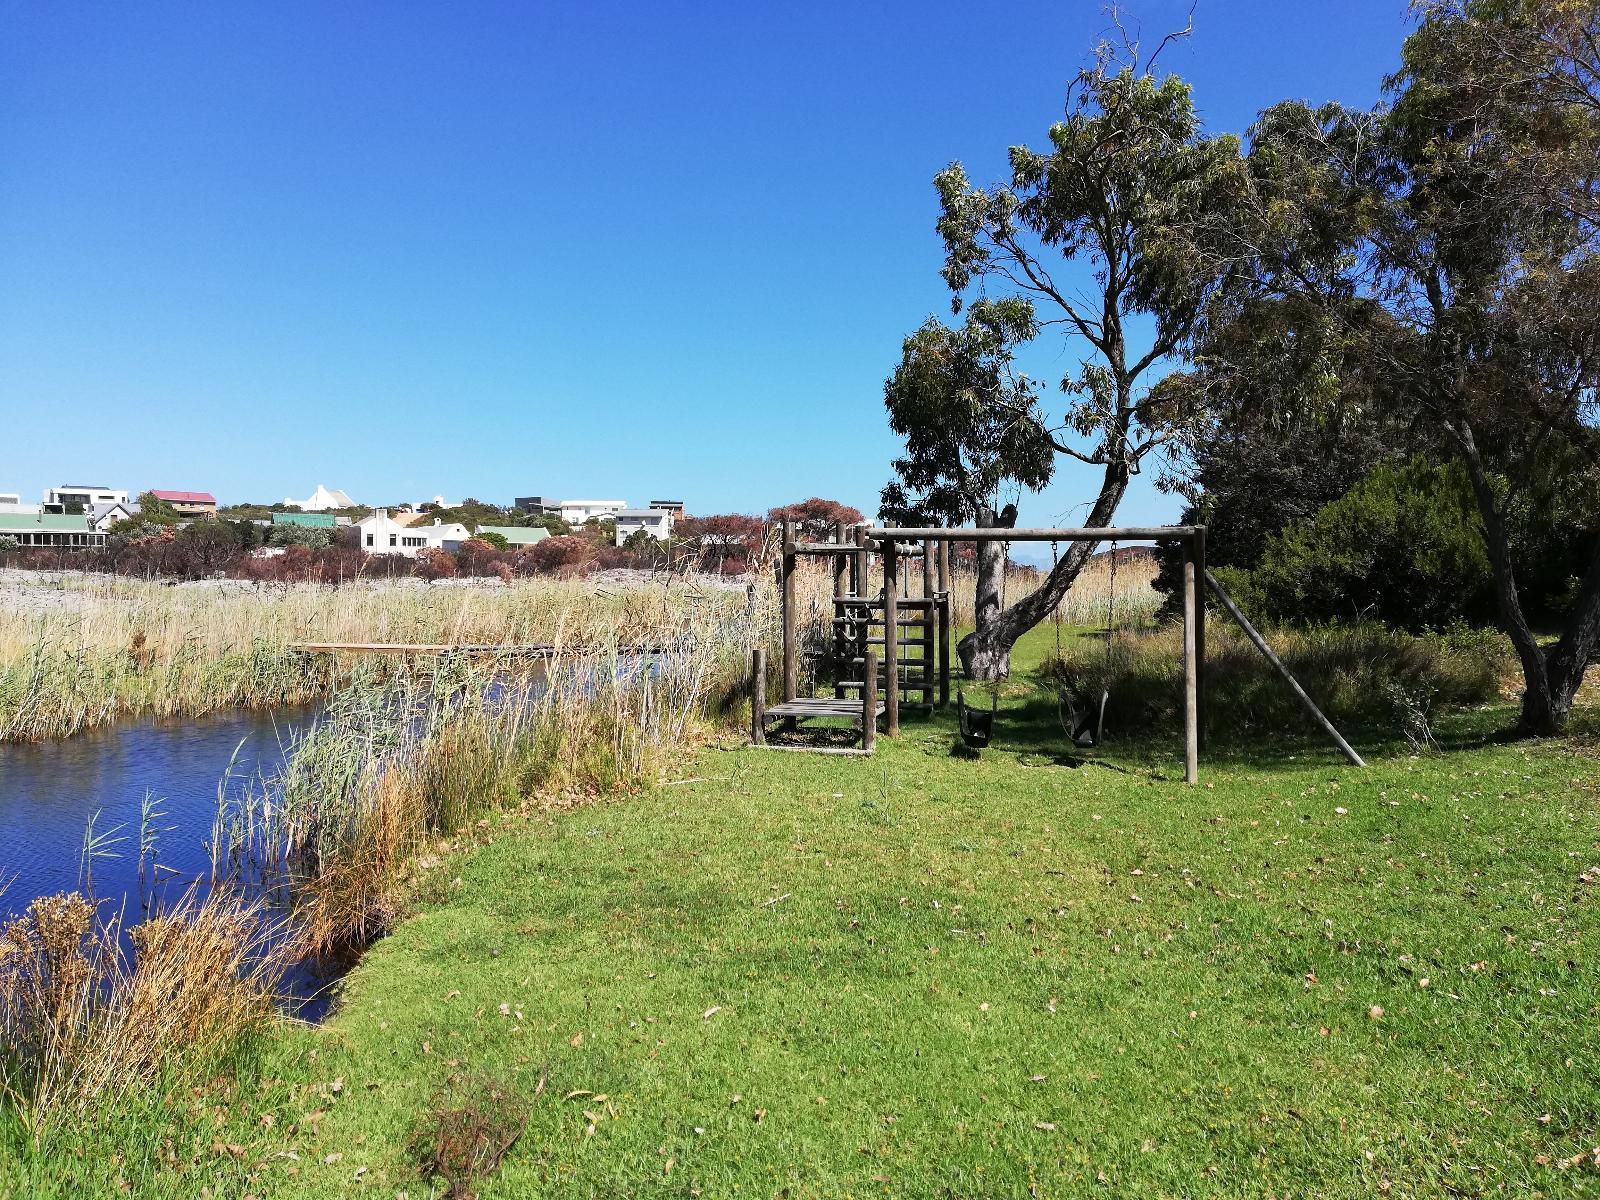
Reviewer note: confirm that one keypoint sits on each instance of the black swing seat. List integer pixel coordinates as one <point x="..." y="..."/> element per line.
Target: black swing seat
<point x="977" y="726"/>
<point x="1084" y="719"/>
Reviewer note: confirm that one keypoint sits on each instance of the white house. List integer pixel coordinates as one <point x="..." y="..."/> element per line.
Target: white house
<point x="103" y="516"/>
<point x="82" y="497"/>
<point x="11" y="502"/>
<point x="576" y="512"/>
<point x="322" y="500"/>
<point x="657" y="522"/>
<point x="382" y="534"/>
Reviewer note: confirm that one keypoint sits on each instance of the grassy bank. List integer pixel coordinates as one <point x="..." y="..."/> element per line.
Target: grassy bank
<point x="922" y="975"/>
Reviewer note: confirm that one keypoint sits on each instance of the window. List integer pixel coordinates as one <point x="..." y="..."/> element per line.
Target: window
<point x="369" y="539"/>
<point x="393" y="540"/>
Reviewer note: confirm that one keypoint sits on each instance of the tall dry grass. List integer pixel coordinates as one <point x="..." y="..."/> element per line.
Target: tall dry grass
<point x="1089" y="602"/>
<point x="83" y="1024"/>
<point x="399" y="760"/>
<point x="77" y="651"/>
<point x="1361" y="675"/>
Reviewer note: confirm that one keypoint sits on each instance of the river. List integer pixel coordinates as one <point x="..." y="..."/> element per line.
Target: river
<point x="50" y="791"/>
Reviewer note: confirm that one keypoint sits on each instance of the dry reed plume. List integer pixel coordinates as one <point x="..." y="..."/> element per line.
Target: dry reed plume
<point x="83" y="1023"/>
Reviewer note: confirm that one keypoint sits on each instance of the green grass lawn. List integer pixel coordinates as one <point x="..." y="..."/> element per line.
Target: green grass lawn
<point x="923" y="975"/>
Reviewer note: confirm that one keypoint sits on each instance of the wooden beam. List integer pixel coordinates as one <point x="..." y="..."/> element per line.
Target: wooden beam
<point x="1294" y="684"/>
<point x="944" y="623"/>
<point x="1199" y="547"/>
<point x="869" y="705"/>
<point x="791" y="668"/>
<point x="891" y="621"/>
<point x="758" y="696"/>
<point x="1191" y="707"/>
<point x="1128" y="534"/>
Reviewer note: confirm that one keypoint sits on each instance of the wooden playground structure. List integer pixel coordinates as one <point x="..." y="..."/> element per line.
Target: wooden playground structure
<point x="911" y="626"/>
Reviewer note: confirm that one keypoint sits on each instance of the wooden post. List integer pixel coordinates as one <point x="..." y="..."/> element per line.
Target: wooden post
<point x="927" y="570"/>
<point x="869" y="704"/>
<point x="944" y="624"/>
<point x="1266" y="651"/>
<point x="891" y="622"/>
<point x="758" y="696"/>
<point x="791" y="673"/>
<point x="861" y="554"/>
<point x="1191" y="724"/>
<point x="841" y="565"/>
<point x="841" y="569"/>
<point x="1200" y="633"/>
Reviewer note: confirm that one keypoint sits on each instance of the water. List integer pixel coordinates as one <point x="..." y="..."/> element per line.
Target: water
<point x="50" y="790"/>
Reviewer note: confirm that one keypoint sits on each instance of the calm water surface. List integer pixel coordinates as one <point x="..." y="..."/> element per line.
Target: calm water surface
<point x="49" y="792"/>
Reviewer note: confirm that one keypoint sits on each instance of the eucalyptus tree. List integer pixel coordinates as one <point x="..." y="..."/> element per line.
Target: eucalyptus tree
<point x="1106" y="239"/>
<point x="1449" y="239"/>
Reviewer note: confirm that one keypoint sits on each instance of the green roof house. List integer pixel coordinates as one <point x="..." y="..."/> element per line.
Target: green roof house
<point x="517" y="535"/>
<point x="308" y="520"/>
<point x="51" y="531"/>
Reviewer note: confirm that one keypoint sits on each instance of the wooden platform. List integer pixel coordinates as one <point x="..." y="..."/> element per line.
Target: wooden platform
<point x="819" y="706"/>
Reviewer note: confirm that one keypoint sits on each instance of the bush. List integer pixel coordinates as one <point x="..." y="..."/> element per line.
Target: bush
<point x="1359" y="674"/>
<point x="9" y="544"/>
<point x="433" y="563"/>
<point x="1404" y="546"/>
<point x="559" y="554"/>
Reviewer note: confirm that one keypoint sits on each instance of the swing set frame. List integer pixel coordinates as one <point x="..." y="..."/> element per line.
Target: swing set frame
<point x="935" y="545"/>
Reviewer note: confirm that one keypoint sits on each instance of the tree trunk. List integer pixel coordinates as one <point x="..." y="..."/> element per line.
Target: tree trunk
<point x="1550" y="680"/>
<point x="983" y="661"/>
<point x="986" y="653"/>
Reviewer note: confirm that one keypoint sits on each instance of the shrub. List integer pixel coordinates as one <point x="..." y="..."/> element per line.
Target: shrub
<point x="559" y="554"/>
<point x="433" y="563"/>
<point x="477" y="556"/>
<point x="1404" y="546"/>
<point x="1359" y="674"/>
<point x="9" y="544"/>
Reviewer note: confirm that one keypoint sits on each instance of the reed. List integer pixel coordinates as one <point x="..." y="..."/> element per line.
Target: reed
<point x="81" y="650"/>
<point x="84" y="1023"/>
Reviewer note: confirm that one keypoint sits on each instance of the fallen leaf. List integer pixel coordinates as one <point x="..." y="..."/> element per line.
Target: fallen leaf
<point x="576" y="1040"/>
<point x="1047" y="1126"/>
<point x="710" y="1012"/>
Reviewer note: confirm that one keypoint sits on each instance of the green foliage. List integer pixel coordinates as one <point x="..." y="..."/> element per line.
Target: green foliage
<point x="1363" y="675"/>
<point x="8" y="544"/>
<point x="313" y="537"/>
<point x="1404" y="546"/>
<point x="497" y="540"/>
<point x="154" y="511"/>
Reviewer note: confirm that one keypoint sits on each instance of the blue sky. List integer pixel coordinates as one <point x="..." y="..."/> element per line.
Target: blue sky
<point x="584" y="249"/>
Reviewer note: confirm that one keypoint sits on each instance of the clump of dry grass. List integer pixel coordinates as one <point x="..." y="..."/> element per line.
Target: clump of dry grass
<point x="84" y="1023"/>
<point x="468" y="1131"/>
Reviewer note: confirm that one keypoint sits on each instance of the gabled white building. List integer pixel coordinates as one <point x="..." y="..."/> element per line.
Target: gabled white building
<point x="382" y="534"/>
<point x="322" y="500"/>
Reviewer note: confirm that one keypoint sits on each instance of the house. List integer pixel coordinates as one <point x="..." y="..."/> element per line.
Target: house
<point x="657" y="522"/>
<point x="305" y="520"/>
<point x="576" y="512"/>
<point x="77" y="498"/>
<point x="103" y="516"/>
<point x="323" y="499"/>
<point x="675" y="507"/>
<point x="52" y="531"/>
<point x="188" y="504"/>
<point x="517" y="535"/>
<point x="382" y="534"/>
<point x="11" y="502"/>
<point x="536" y="506"/>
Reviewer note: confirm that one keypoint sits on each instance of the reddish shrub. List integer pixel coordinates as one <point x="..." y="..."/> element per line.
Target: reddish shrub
<point x="563" y="554"/>
<point x="433" y="563"/>
<point x="476" y="557"/>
